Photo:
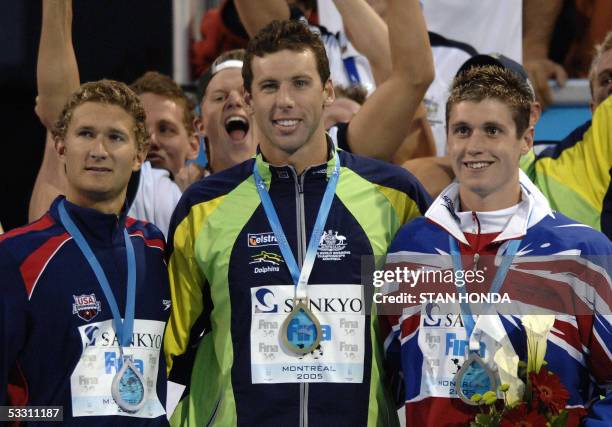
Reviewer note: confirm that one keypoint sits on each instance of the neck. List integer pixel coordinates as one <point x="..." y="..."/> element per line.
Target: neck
<point x="218" y="164"/>
<point x="107" y="206"/>
<point x="471" y="201"/>
<point x="309" y="154"/>
<point x="219" y="160"/>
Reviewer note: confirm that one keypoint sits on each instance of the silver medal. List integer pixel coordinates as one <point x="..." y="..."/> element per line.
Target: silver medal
<point x="474" y="377"/>
<point x="128" y="389"/>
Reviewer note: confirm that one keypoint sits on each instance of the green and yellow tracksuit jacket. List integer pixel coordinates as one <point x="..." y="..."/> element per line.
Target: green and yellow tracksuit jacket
<point x="574" y="175"/>
<point x="230" y="284"/>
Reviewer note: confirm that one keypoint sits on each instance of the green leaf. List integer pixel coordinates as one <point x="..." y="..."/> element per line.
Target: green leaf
<point x="483" y="420"/>
<point x="559" y="420"/>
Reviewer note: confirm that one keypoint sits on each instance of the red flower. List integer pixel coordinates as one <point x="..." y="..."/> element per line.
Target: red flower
<point x="548" y="390"/>
<point x="575" y="416"/>
<point x="521" y="417"/>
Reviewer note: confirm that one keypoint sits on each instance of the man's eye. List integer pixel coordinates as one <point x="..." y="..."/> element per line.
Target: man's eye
<point x="117" y="137"/>
<point x="166" y="129"/>
<point x="219" y="97"/>
<point x="300" y="83"/>
<point x="268" y="87"/>
<point x="492" y="130"/>
<point x="462" y="130"/>
<point x="85" y="133"/>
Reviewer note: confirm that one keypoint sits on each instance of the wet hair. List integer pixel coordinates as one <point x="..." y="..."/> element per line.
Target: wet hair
<point x="108" y="92"/>
<point x="284" y="35"/>
<point x="492" y="82"/>
<point x="162" y="85"/>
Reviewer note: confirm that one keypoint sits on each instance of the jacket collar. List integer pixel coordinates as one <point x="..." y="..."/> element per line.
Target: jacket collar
<point x="532" y="209"/>
<point x="270" y="172"/>
<point x="100" y="229"/>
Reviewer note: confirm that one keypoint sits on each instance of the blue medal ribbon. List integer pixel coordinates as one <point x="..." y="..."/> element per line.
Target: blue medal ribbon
<point x="300" y="278"/>
<point x="125" y="328"/>
<point x="498" y="280"/>
<point x="474" y="376"/>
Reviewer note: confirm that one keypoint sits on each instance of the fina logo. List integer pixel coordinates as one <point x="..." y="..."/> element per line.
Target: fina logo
<point x="261" y="299"/>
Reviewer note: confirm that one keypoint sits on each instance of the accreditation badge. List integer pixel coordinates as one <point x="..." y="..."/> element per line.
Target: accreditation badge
<point x="321" y="339"/>
<point x="110" y="381"/>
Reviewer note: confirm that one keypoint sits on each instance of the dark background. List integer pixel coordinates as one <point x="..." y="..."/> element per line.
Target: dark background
<point x="113" y="39"/>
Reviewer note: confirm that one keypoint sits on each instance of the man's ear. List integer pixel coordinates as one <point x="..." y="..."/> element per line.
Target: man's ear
<point x="329" y="94"/>
<point x="535" y="113"/>
<point x="194" y="146"/>
<point x="194" y="139"/>
<point x="527" y="140"/>
<point x="248" y="103"/>
<point x="139" y="159"/>
<point x="60" y="146"/>
<point x="198" y="126"/>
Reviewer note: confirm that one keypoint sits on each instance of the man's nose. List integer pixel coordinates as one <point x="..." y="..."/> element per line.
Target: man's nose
<point x="98" y="148"/>
<point x="235" y="99"/>
<point x="284" y="97"/>
<point x="154" y="143"/>
<point x="475" y="143"/>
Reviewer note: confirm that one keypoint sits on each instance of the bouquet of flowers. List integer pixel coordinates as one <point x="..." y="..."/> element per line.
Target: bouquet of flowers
<point x="532" y="395"/>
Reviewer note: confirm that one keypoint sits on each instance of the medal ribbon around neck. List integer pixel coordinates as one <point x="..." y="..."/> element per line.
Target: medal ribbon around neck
<point x="498" y="280"/>
<point x="474" y="376"/>
<point x="128" y="385"/>
<point x="125" y="328"/>
<point x="301" y="318"/>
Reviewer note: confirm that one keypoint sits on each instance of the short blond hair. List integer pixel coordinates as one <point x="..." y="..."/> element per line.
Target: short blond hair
<point x="106" y="92"/>
<point x="600" y="49"/>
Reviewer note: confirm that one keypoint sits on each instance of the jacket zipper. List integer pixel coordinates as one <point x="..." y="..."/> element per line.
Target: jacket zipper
<point x="476" y="254"/>
<point x="301" y="240"/>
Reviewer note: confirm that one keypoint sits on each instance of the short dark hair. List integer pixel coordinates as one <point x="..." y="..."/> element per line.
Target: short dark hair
<point x="284" y="35"/>
<point x="162" y="85"/>
<point x="493" y="82"/>
<point x="355" y="92"/>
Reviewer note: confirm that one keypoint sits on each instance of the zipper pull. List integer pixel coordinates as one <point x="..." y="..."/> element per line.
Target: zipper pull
<point x="300" y="181"/>
<point x="476" y="259"/>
